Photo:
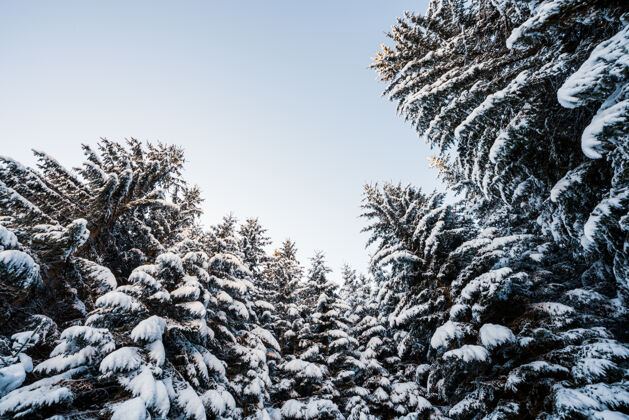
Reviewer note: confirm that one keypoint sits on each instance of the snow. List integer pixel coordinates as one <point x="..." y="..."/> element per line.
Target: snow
<point x="24" y="340"/>
<point x="554" y="308"/>
<point x="19" y="268"/>
<point x="143" y="385"/>
<point x="503" y="241"/>
<point x="541" y="14"/>
<point x="230" y="403"/>
<point x="42" y="393"/>
<point x="264" y="305"/>
<point x="140" y="276"/>
<point x="230" y="261"/>
<point x="610" y="117"/>
<point x="8" y="240"/>
<point x="475" y="243"/>
<point x="148" y="330"/>
<point x="20" y="202"/>
<point x="132" y="409"/>
<point x="571" y="400"/>
<point x="380" y="395"/>
<point x="589" y="369"/>
<point x="62" y="362"/>
<point x="224" y="297"/>
<point x="119" y="300"/>
<point x="398" y="257"/>
<point x="465" y="408"/>
<point x="457" y="310"/>
<point x="161" y="296"/>
<point x="67" y="239"/>
<point x="493" y="335"/>
<point x="214" y="363"/>
<point x="492" y="101"/>
<point x="292" y="409"/>
<point x="152" y="392"/>
<point x="445" y="334"/>
<point x="213" y="400"/>
<point x="609" y="60"/>
<point x="609" y="415"/>
<point x="486" y="282"/>
<point x="310" y="352"/>
<point x="304" y="369"/>
<point x="254" y="388"/>
<point x="592" y="226"/>
<point x="339" y="343"/>
<point x="191" y="404"/>
<point x="170" y="260"/>
<point x="189" y="290"/>
<point x="267" y="337"/>
<point x="374" y="343"/>
<point x="122" y="360"/>
<point x="296" y="365"/>
<point x="89" y="334"/>
<point x="102" y="278"/>
<point x="468" y="353"/>
<point x="520" y="374"/>
<point x="197" y="363"/>
<point x="193" y="308"/>
<point x="11" y="377"/>
<point x="408" y="392"/>
<point x="319" y="408"/>
<point x="337" y="334"/>
<point x="359" y="390"/>
<point x="572" y="177"/>
<point x="26" y="361"/>
<point x="432" y="240"/>
<point x="345" y="374"/>
<point x="239" y="308"/>
<point x="408" y="314"/>
<point x="606" y="349"/>
<point x="157" y="353"/>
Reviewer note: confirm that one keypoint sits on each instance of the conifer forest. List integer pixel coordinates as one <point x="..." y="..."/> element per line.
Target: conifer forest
<point x="509" y="301"/>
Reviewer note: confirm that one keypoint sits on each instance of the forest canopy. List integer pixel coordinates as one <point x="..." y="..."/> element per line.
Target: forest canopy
<point x="509" y="302"/>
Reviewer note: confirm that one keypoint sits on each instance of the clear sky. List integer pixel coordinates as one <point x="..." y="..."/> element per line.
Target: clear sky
<point x="272" y="101"/>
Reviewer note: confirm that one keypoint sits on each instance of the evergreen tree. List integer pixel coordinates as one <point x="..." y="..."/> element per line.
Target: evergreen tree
<point x="321" y="341"/>
<point x="284" y="273"/>
<point x="498" y="89"/>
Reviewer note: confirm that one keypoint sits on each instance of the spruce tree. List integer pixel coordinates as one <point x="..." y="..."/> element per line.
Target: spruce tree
<point x="501" y="91"/>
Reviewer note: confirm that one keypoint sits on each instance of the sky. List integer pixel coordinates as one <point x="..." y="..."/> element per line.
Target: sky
<point x="273" y="102"/>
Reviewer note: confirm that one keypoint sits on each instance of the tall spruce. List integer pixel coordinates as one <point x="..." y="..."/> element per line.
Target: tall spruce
<point x="524" y="106"/>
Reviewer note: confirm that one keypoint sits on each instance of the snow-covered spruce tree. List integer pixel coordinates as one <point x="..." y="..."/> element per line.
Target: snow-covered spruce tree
<point x="280" y="281"/>
<point x="265" y="292"/>
<point x="69" y="224"/>
<point x="115" y="211"/>
<point x="153" y="345"/>
<point x="370" y="398"/>
<point x="505" y="115"/>
<point x="322" y="341"/>
<point x="603" y="81"/>
<point x="478" y="103"/>
<point x="141" y="351"/>
<point x="355" y="292"/>
<point x="254" y="239"/>
<point x="138" y="187"/>
<point x="414" y="235"/>
<point x="283" y="275"/>
<point x="198" y="301"/>
<point x="19" y="279"/>
<point x="245" y="345"/>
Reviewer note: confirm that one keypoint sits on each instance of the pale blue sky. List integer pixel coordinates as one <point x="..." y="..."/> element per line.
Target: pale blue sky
<point x="273" y="102"/>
